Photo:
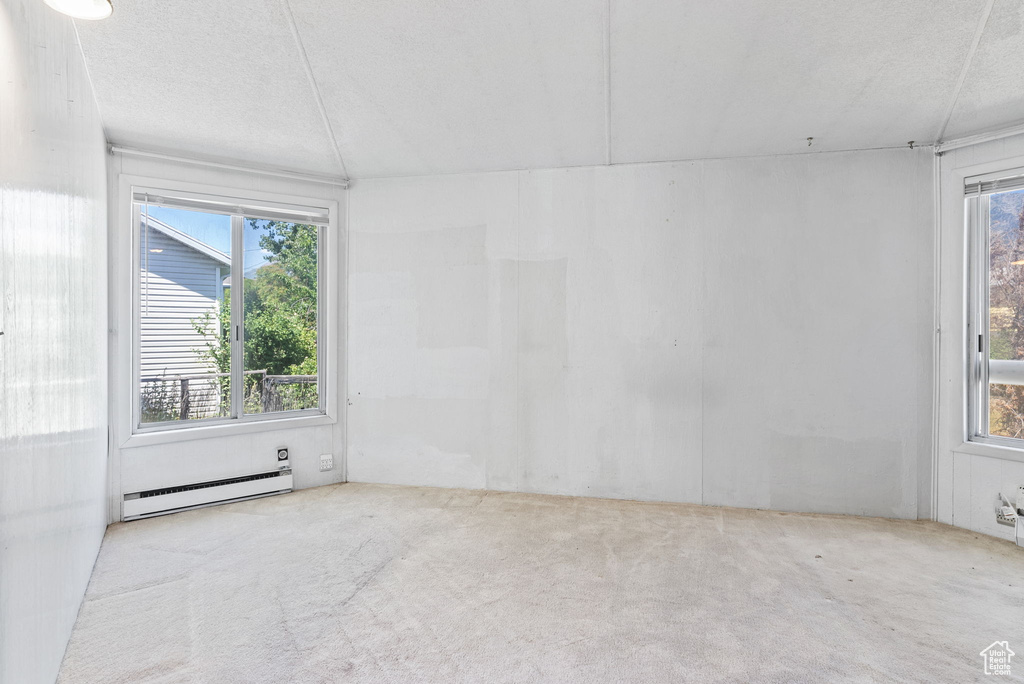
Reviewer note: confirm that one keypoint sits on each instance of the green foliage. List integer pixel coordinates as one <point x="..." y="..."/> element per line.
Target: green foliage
<point x="289" y="280"/>
<point x="280" y="302"/>
<point x="280" y="305"/>
<point x="215" y="329"/>
<point x="278" y="342"/>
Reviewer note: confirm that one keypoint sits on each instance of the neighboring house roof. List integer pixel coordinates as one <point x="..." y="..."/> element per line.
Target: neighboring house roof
<point x="187" y="240"/>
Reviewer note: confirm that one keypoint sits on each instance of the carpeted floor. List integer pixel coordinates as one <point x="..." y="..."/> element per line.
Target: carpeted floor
<point x="367" y="583"/>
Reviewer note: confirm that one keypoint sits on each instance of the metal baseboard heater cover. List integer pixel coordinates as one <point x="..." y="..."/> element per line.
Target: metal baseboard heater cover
<point x="174" y="499"/>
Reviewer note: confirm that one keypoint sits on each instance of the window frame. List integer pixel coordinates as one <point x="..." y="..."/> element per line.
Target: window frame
<point x="977" y="340"/>
<point x="239" y="422"/>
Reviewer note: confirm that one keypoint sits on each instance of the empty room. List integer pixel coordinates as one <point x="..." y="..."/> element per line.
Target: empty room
<point x="524" y="341"/>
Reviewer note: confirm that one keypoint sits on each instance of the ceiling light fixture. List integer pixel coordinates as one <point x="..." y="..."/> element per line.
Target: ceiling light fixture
<point x="83" y="9"/>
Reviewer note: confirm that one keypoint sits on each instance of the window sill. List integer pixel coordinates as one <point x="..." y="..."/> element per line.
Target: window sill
<point x="186" y="434"/>
<point x="999" y="451"/>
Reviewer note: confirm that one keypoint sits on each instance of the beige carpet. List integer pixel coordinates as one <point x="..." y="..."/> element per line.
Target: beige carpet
<point x="366" y="583"/>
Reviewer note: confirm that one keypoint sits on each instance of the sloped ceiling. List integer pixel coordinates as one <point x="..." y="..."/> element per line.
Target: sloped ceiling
<point x="207" y="78"/>
<point x="993" y="91"/>
<point x="370" y="88"/>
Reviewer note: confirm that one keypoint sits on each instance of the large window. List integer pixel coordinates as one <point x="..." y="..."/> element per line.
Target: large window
<point x="995" y="221"/>
<point x="228" y="312"/>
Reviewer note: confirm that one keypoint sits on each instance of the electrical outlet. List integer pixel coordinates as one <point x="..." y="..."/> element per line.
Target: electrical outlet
<point x="1005" y="516"/>
<point x="326" y="462"/>
<point x="1005" y="512"/>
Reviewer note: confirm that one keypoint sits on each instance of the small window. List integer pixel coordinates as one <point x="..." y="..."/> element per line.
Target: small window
<point x="228" y="317"/>
<point x="995" y="222"/>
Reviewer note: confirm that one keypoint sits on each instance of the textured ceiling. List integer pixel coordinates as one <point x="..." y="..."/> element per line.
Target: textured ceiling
<point x="438" y="86"/>
<point x="710" y="79"/>
<point x="208" y="78"/>
<point x="993" y="92"/>
<point x="434" y="86"/>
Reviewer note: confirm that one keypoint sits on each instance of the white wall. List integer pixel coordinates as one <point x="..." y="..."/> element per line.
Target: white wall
<point x="747" y="332"/>
<point x="53" y="386"/>
<point x="969" y="476"/>
<point x="152" y="461"/>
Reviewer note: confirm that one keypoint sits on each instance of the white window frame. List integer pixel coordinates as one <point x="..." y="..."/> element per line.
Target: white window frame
<point x="976" y="221"/>
<point x="327" y="323"/>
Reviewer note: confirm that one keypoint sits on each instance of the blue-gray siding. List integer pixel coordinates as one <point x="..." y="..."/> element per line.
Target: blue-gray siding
<point x="179" y="285"/>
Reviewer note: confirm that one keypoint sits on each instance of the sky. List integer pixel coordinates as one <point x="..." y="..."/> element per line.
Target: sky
<point x="1005" y="210"/>
<point x="214" y="230"/>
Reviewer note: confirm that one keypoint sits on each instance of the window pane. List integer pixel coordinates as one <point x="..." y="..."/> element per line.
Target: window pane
<point x="184" y="266"/>
<point x="1006" y="311"/>
<point x="280" y="316"/>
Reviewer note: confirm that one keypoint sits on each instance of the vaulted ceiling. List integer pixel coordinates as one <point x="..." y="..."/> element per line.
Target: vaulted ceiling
<point x="371" y="88"/>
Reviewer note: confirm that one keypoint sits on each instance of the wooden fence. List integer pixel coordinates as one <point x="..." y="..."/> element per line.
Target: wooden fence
<point x="192" y="397"/>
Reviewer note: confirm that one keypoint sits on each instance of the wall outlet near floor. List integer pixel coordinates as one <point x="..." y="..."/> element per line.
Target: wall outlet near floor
<point x="326" y="462"/>
<point x="1005" y="512"/>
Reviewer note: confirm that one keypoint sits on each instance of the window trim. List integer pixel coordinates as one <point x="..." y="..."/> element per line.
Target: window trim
<point x="327" y="324"/>
<point x="977" y="339"/>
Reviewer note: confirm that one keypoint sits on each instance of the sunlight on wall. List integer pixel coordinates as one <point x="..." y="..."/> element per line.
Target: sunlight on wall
<point x="53" y="315"/>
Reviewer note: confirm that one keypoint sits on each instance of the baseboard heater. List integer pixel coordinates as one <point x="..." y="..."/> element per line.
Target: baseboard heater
<point x="185" y="497"/>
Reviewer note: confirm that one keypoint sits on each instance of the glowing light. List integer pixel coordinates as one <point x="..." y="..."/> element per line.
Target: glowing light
<point x="83" y="9"/>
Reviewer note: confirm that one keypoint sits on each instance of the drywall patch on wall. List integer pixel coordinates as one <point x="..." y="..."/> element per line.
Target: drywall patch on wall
<point x="635" y="297"/>
<point x="420" y="314"/>
<point x="650" y="327"/>
<point x="819" y="474"/>
<point x="452" y="307"/>
<point x="814" y="271"/>
<point x="417" y="250"/>
<point x="543" y="439"/>
<point x="431" y="442"/>
<point x="430" y="304"/>
<point x="502" y="406"/>
<point x="629" y="376"/>
<point x="448" y="271"/>
<point x="585" y="313"/>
